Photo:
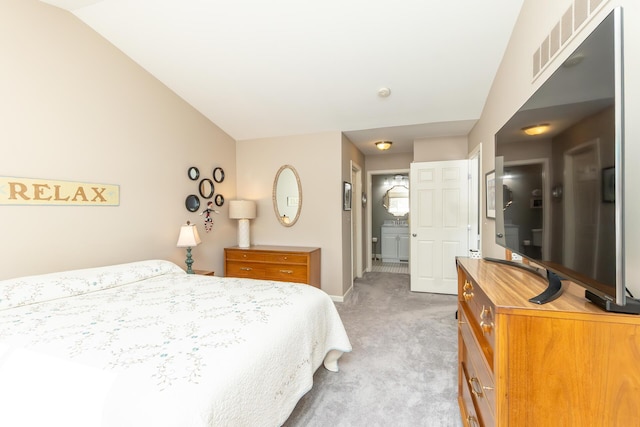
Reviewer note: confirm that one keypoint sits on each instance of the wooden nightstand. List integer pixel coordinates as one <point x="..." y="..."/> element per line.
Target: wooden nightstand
<point x="204" y="272"/>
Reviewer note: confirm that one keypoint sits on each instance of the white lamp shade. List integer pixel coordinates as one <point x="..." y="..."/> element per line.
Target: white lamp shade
<point x="242" y="209"/>
<point x="189" y="236"/>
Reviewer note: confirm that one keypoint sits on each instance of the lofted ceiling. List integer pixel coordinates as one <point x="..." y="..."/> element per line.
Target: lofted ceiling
<point x="287" y="67"/>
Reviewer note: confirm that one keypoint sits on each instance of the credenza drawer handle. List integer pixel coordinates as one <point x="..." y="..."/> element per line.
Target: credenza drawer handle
<point x="471" y="420"/>
<point x="467" y="293"/>
<point x="486" y="320"/>
<point x="246" y="268"/>
<point x="286" y="271"/>
<point x="476" y="387"/>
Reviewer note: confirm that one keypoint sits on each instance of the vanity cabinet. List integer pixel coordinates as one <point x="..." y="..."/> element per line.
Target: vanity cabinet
<point x="395" y="243"/>
<point x="281" y="263"/>
<point x="564" y="363"/>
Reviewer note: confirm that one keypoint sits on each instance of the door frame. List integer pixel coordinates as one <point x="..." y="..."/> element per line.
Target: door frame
<point x="356" y="221"/>
<point x="369" y="230"/>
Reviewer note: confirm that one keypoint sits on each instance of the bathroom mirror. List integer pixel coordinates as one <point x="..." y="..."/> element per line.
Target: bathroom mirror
<point x="396" y="200"/>
<point x="287" y="195"/>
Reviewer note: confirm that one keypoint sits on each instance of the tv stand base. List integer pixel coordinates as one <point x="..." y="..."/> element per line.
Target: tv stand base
<point x="632" y="306"/>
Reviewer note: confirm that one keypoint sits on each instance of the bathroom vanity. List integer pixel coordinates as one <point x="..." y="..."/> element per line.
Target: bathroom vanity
<point x="395" y="241"/>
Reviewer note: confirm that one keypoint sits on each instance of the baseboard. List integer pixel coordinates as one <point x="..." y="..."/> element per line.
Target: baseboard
<point x="343" y="298"/>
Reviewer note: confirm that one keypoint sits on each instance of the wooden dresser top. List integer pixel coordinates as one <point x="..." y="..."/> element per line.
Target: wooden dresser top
<point x="510" y="288"/>
<point x="272" y="248"/>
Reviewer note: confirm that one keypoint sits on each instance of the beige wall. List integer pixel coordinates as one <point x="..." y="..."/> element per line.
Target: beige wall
<point x="389" y="161"/>
<point x="440" y="149"/>
<point x="513" y="85"/>
<point x="316" y="158"/>
<point x="75" y="108"/>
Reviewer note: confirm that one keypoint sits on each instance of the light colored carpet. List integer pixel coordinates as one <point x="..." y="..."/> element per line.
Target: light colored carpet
<point x="403" y="367"/>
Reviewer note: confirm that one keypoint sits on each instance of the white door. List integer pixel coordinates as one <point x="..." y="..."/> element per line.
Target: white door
<point x="439" y="224"/>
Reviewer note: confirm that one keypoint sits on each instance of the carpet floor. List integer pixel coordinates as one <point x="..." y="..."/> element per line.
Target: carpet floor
<point x="403" y="367"/>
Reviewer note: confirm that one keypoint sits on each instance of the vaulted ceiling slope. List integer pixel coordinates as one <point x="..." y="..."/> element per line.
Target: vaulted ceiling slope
<point x="284" y="67"/>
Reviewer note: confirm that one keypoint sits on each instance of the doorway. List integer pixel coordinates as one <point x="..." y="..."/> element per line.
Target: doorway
<point x="395" y="259"/>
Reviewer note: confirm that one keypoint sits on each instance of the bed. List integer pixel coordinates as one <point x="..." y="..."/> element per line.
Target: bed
<point x="145" y="344"/>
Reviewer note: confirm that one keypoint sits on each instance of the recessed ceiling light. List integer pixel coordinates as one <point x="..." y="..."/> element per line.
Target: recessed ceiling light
<point x="383" y="145"/>
<point x="384" y="92"/>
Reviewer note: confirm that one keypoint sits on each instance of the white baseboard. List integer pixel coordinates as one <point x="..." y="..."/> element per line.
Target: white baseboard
<point x="336" y="298"/>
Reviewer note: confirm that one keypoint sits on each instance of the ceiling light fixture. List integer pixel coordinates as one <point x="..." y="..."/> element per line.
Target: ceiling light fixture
<point x="383" y="145"/>
<point x="384" y="92"/>
<point x="536" y="129"/>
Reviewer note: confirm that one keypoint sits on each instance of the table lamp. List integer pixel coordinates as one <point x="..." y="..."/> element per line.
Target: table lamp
<point x="188" y="238"/>
<point x="242" y="210"/>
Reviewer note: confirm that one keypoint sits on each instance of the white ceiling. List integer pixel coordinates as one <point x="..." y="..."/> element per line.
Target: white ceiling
<point x="285" y="67"/>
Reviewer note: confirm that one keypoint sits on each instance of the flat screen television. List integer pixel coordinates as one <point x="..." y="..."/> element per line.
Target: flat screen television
<point x="558" y="198"/>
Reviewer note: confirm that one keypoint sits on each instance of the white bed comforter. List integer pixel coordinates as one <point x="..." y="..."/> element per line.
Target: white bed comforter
<point x="144" y="344"/>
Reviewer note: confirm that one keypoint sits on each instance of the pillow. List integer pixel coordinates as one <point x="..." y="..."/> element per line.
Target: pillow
<point x="32" y="289"/>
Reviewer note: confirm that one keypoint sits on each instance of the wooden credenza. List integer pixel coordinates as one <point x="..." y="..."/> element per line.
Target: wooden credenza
<point x="564" y="363"/>
<point x="281" y="263"/>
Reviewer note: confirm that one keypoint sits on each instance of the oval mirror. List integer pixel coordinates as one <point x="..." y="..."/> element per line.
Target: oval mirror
<point x="192" y="203"/>
<point x="218" y="175"/>
<point x="206" y="188"/>
<point x="193" y="173"/>
<point x="396" y="200"/>
<point x="287" y="195"/>
<point x="219" y="199"/>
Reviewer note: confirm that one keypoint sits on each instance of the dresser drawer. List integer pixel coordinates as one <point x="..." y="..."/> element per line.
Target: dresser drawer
<point x="245" y="255"/>
<point x="287" y="258"/>
<point x="480" y="313"/>
<point x="470" y="417"/>
<point x="245" y="269"/>
<point x="287" y="273"/>
<point x="478" y="375"/>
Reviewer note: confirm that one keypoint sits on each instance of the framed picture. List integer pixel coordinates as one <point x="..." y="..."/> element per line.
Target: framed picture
<point x="346" y="196"/>
<point x="609" y="185"/>
<point x="490" y="193"/>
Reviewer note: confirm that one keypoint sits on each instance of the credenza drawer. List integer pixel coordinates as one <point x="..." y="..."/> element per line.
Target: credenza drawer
<point x="481" y="316"/>
<point x="284" y="264"/>
<point x="239" y="269"/>
<point x="480" y="379"/>
<point x="287" y="273"/>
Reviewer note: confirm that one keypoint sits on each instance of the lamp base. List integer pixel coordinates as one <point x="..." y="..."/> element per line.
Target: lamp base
<point x="189" y="261"/>
<point x="244" y="240"/>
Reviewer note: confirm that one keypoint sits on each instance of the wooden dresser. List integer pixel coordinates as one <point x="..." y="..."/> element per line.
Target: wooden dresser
<point x="282" y="263"/>
<point x="564" y="363"/>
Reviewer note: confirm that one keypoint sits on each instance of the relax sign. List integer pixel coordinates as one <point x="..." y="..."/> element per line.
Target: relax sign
<point x="30" y="191"/>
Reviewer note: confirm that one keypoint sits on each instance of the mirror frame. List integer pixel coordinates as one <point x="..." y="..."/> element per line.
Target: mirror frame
<point x="206" y="188"/>
<point x="192" y="203"/>
<point x="385" y="200"/>
<point x="275" y="199"/>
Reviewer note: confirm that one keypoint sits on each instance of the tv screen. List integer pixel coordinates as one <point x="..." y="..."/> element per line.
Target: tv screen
<point x="559" y="169"/>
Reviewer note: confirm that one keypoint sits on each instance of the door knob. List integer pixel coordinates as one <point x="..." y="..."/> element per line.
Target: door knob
<point x="500" y="235"/>
<point x="414" y="235"/>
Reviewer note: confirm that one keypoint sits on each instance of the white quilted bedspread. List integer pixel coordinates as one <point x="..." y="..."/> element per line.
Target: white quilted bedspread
<point x="144" y="344"/>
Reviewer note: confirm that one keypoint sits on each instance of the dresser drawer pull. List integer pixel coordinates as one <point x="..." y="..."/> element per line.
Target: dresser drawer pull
<point x="476" y="387"/>
<point x="472" y="421"/>
<point x="246" y="268"/>
<point x="467" y="293"/>
<point x="286" y="271"/>
<point x="486" y="320"/>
